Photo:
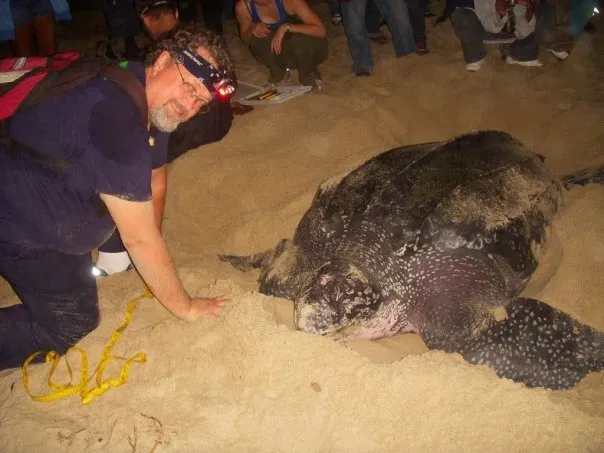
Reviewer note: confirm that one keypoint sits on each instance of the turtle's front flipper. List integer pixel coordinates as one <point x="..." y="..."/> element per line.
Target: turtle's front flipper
<point x="460" y="310"/>
<point x="538" y="345"/>
<point x="534" y="343"/>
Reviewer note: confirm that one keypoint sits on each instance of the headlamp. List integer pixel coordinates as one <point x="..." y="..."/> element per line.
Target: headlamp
<point x="215" y="80"/>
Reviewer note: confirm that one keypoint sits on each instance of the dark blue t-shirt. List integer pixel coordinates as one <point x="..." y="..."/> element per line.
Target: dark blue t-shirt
<point x="98" y="128"/>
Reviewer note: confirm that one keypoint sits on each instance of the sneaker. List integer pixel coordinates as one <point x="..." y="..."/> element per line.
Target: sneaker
<point x="559" y="54"/>
<point x="475" y="66"/>
<point x="528" y="64"/>
<point x="336" y="19"/>
<point x="111" y="263"/>
<point x="98" y="272"/>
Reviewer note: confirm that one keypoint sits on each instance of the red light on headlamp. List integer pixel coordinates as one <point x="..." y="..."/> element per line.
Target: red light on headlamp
<point x="225" y="88"/>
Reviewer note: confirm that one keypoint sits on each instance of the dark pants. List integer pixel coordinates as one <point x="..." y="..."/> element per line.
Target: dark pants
<point x="397" y="17"/>
<point x="373" y="19"/>
<point x="211" y="10"/>
<point x="212" y="14"/>
<point x="334" y="7"/>
<point x="299" y="51"/>
<point x="121" y="18"/>
<point x="417" y="9"/>
<point x="471" y="33"/>
<point x="59" y="304"/>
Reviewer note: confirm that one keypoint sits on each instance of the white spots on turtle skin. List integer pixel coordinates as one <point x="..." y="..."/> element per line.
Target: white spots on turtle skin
<point x="530" y="348"/>
<point x="325" y="279"/>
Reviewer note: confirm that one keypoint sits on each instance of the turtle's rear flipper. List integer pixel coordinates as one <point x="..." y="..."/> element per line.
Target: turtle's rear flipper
<point x="535" y="344"/>
<point x="249" y="262"/>
<point x="582" y="177"/>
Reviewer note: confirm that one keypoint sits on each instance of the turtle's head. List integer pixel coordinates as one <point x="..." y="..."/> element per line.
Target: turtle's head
<point x="338" y="296"/>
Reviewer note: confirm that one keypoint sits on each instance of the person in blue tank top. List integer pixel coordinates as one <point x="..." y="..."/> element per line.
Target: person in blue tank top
<point x="283" y="35"/>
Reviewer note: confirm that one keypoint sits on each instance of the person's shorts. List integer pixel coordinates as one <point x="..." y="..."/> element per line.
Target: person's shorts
<point x="25" y="11"/>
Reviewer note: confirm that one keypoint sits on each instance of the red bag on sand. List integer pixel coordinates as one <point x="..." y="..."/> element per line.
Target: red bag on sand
<point x="26" y="74"/>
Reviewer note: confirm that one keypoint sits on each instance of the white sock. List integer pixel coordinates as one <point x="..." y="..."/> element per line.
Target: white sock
<point x="112" y="263"/>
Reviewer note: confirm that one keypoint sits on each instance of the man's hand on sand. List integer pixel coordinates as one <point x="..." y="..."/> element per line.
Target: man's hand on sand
<point x="205" y="306"/>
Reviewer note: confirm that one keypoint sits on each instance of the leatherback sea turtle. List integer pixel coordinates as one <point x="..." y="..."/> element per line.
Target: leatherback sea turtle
<point x="438" y="239"/>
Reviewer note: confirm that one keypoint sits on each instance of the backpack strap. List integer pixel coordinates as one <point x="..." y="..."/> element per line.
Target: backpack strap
<point x="20" y="148"/>
<point x="60" y="82"/>
<point x="130" y="84"/>
<point x="78" y="73"/>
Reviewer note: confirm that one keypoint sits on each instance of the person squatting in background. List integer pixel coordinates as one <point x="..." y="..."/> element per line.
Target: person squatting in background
<point x="283" y="35"/>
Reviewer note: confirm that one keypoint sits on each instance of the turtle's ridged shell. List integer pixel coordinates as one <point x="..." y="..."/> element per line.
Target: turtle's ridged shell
<point x="484" y="191"/>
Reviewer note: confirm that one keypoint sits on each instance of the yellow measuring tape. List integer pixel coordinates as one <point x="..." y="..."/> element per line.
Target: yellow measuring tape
<point x="87" y="395"/>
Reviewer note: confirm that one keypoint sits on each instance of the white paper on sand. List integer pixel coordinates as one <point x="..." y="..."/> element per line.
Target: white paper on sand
<point x="246" y="92"/>
<point x="10" y="76"/>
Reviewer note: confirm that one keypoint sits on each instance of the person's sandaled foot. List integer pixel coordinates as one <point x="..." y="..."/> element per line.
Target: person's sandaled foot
<point x="314" y="80"/>
<point x="559" y="54"/>
<point x="318" y="86"/>
<point x="475" y="65"/>
<point x="526" y="63"/>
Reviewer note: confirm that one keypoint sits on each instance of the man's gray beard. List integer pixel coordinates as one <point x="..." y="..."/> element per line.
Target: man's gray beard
<point x="162" y="121"/>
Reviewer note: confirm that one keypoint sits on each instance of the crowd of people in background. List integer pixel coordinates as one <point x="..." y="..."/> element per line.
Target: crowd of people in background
<point x="288" y="34"/>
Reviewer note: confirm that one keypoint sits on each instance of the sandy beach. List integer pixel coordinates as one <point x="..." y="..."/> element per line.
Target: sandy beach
<point x="247" y="381"/>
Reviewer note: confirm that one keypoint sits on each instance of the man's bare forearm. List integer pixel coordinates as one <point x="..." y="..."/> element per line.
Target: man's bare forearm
<point x="153" y="262"/>
<point x="307" y="29"/>
<point x="159" y="186"/>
